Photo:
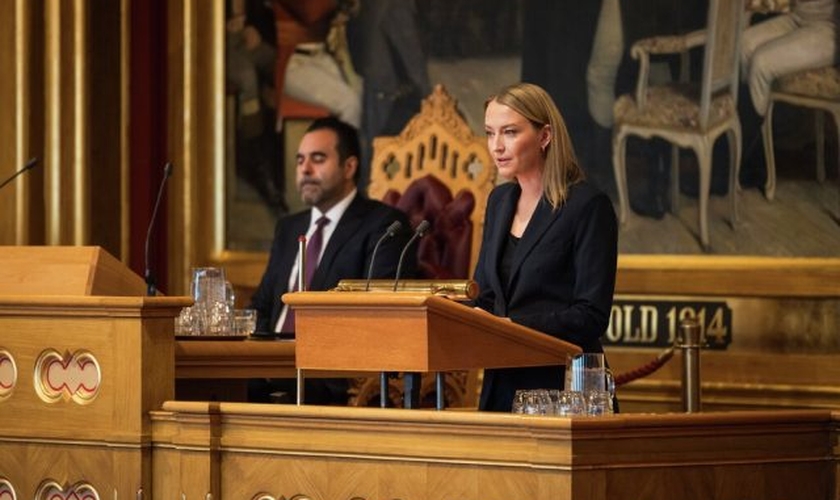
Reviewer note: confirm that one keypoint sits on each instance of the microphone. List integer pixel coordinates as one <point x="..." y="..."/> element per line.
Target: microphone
<point x="301" y="272"/>
<point x="419" y="232"/>
<point x="151" y="289"/>
<point x="29" y="166"/>
<point x="390" y="232"/>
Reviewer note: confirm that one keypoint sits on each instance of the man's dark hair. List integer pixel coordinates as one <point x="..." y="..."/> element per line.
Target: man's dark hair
<point x="348" y="139"/>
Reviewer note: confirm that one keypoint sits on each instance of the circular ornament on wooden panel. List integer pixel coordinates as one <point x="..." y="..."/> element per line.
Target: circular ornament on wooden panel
<point x="7" y="491"/>
<point x="8" y="378"/>
<point x="50" y="489"/>
<point x="75" y="376"/>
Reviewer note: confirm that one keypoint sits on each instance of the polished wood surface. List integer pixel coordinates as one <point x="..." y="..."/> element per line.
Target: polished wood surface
<point x="65" y="270"/>
<point x="783" y="348"/>
<point x="248" y="358"/>
<point x="119" y="436"/>
<point x="732" y="381"/>
<point x="111" y="363"/>
<point x="728" y="275"/>
<point x="216" y="358"/>
<point x="79" y="373"/>
<point x="243" y="451"/>
<point x="379" y="331"/>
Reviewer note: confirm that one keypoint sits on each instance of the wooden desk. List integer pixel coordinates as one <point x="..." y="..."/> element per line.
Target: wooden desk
<point x="218" y="370"/>
<point x="234" y="359"/>
<point x="231" y="450"/>
<point x="78" y="376"/>
<point x="243" y="359"/>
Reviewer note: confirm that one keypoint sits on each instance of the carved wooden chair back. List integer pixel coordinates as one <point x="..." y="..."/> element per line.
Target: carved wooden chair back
<point x="437" y="150"/>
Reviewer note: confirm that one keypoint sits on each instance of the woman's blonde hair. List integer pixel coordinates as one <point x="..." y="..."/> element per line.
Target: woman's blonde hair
<point x="561" y="165"/>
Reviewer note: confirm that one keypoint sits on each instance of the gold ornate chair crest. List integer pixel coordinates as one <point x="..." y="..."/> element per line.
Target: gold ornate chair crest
<point x="439" y="170"/>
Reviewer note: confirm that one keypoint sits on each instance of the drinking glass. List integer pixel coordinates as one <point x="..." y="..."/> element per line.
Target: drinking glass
<point x="218" y="318"/>
<point x="187" y="323"/>
<point x="537" y="402"/>
<point x="519" y="402"/>
<point x="554" y="398"/>
<point x="571" y="404"/>
<point x="599" y="403"/>
<point x="244" y="321"/>
<point x="230" y="295"/>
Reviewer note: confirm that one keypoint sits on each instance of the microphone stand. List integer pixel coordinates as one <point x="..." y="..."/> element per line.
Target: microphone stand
<point x="301" y="280"/>
<point x="28" y="166"/>
<point x="411" y="381"/>
<point x="419" y="232"/>
<point x="390" y="232"/>
<point x="151" y="288"/>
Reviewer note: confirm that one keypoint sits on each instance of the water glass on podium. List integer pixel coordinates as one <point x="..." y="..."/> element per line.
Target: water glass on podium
<point x="570" y="404"/>
<point x="532" y="402"/>
<point x="244" y="321"/>
<point x="213" y="314"/>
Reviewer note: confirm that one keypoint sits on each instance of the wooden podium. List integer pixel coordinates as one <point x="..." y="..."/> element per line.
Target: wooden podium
<point x="84" y="358"/>
<point x="411" y="332"/>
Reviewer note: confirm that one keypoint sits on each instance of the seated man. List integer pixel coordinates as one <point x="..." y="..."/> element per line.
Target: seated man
<point x="343" y="224"/>
<point x="802" y="39"/>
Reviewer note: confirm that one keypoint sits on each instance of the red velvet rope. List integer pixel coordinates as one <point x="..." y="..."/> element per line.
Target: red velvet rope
<point x="645" y="370"/>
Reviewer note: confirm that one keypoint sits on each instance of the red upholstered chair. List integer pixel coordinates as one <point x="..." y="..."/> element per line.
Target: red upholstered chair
<point x="445" y="252"/>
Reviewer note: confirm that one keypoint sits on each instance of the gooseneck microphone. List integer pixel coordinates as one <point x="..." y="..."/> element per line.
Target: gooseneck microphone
<point x="419" y="232"/>
<point x="389" y="233"/>
<point x="29" y="166"/>
<point x="151" y="288"/>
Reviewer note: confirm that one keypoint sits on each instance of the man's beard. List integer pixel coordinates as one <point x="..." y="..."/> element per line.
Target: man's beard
<point x="316" y="192"/>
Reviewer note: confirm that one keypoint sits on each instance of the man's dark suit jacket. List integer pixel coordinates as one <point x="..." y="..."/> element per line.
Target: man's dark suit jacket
<point x="561" y="283"/>
<point x="347" y="255"/>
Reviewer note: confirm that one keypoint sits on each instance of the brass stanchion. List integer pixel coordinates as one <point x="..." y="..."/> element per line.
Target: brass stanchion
<point x="690" y="343"/>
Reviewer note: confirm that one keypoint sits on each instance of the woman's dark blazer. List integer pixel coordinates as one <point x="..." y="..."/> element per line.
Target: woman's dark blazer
<point x="561" y="283"/>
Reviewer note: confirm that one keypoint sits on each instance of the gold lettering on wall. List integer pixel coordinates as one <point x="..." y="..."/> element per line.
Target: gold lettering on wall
<point x="654" y="321"/>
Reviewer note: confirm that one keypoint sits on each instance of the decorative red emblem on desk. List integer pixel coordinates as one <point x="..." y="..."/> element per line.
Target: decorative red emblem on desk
<point x="73" y="376"/>
<point x="266" y="496"/>
<point x="8" y="379"/>
<point x="51" y="490"/>
<point x="6" y="490"/>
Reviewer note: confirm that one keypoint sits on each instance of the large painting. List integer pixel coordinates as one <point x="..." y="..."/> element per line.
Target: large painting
<point x="474" y="47"/>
